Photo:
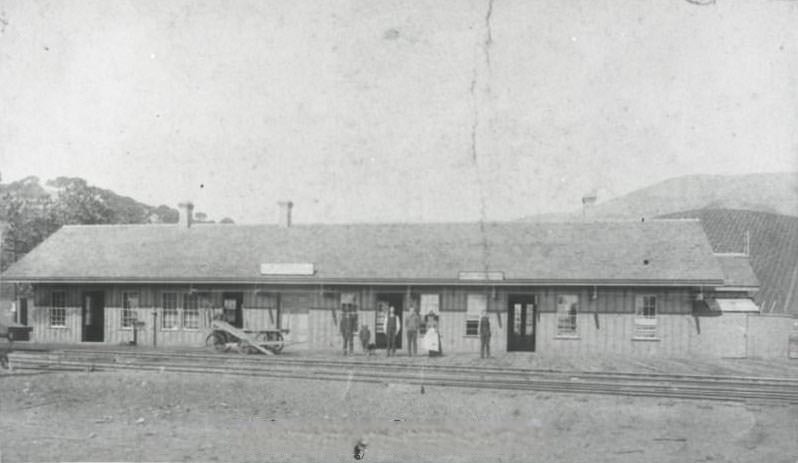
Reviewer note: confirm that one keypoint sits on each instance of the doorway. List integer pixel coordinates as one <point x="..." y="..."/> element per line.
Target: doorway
<point x="521" y="321"/>
<point x="232" y="309"/>
<point x="384" y="302"/>
<point x="22" y="313"/>
<point x="93" y="316"/>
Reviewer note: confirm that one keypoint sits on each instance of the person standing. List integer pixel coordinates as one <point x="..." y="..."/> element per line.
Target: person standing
<point x="365" y="338"/>
<point x="484" y="335"/>
<point x="392" y="327"/>
<point x="347" y="332"/>
<point x="411" y="326"/>
<point x="434" y="336"/>
<point x="432" y="341"/>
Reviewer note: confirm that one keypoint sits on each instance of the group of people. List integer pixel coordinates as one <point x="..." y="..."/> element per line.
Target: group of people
<point x="392" y="327"/>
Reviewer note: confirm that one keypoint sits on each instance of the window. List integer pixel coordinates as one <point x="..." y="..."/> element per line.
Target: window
<point x="193" y="302"/>
<point x="58" y="309"/>
<point x="430" y="303"/>
<point x="567" y="305"/>
<point x="476" y="304"/>
<point x="130" y="302"/>
<point x="169" y="319"/>
<point x="646" y="317"/>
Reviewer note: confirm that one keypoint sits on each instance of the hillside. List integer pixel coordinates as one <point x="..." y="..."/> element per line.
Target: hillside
<point x="773" y="250"/>
<point x="775" y="193"/>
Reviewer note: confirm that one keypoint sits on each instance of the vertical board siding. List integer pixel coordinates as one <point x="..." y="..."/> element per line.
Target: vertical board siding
<point x="614" y="335"/>
<point x="721" y="336"/>
<point x="312" y="315"/>
<point x="39" y="316"/>
<point x="769" y="335"/>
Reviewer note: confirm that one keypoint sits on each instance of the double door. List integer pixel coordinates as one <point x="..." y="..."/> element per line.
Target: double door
<point x="521" y="322"/>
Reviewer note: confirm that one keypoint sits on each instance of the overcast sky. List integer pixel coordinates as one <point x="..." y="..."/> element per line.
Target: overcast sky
<point x="394" y="111"/>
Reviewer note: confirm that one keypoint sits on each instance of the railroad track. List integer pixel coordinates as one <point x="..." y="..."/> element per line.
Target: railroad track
<point x="701" y="387"/>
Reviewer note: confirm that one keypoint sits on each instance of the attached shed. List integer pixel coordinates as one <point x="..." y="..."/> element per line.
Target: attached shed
<point x="626" y="287"/>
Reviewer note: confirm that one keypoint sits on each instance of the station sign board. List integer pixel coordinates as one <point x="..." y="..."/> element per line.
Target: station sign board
<point x="481" y="276"/>
<point x="287" y="269"/>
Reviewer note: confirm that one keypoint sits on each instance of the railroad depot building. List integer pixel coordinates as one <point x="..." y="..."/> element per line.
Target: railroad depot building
<point x="652" y="287"/>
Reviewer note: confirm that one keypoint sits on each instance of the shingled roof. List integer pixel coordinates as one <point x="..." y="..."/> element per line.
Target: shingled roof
<point x="669" y="252"/>
<point x="737" y="271"/>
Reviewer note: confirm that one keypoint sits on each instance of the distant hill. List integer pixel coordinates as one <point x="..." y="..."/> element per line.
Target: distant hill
<point x="766" y="205"/>
<point x="775" y="193"/>
<point x="773" y="250"/>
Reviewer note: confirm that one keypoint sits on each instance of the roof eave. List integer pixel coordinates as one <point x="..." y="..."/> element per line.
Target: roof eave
<point x="371" y="281"/>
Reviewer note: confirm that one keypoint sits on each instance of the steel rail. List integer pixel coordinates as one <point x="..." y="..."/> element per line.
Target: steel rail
<point x="654" y="388"/>
<point x="610" y="389"/>
<point x="258" y="360"/>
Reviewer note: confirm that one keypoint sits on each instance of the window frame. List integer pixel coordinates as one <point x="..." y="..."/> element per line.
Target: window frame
<point x="645" y="321"/>
<point x="569" y="329"/>
<point x="171" y="311"/>
<point x="129" y="314"/>
<point x="472" y="318"/>
<point x="57" y="311"/>
<point x="193" y="303"/>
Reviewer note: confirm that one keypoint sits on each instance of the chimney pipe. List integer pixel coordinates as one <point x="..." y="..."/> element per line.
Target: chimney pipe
<point x="588" y="201"/>
<point x="284" y="219"/>
<point x="186" y="214"/>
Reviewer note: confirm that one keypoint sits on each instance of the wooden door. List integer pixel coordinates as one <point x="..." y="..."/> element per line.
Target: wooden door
<point x="521" y="322"/>
<point x="93" y="316"/>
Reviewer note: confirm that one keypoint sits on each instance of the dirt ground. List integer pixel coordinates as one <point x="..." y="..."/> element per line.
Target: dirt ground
<point x="132" y="416"/>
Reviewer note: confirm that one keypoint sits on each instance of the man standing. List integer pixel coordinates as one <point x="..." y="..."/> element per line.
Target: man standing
<point x="347" y="332"/>
<point x="484" y="335"/>
<point x="411" y="326"/>
<point x="392" y="327"/>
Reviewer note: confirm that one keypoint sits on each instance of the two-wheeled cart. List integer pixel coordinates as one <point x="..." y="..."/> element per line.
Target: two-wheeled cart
<point x="226" y="337"/>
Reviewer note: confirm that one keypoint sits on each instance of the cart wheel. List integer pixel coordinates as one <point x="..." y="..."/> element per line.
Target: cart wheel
<point x="276" y="348"/>
<point x="245" y="348"/>
<point x="216" y="341"/>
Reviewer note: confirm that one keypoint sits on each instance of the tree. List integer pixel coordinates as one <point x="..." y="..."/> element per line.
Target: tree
<point x="29" y="220"/>
<point x="78" y="203"/>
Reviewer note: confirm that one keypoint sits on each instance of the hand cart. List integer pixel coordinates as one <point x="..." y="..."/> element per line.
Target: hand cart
<point x="225" y="337"/>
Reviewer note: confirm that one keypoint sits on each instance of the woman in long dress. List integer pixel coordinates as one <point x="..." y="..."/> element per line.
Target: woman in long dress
<point x="432" y="340"/>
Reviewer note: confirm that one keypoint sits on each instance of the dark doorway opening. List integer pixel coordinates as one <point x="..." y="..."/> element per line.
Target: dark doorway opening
<point x="521" y="323"/>
<point x="22" y="317"/>
<point x="93" y="316"/>
<point x="384" y="302"/>
<point x="232" y="304"/>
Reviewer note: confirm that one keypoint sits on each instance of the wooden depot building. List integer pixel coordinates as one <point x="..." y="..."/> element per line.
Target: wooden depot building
<point x="622" y="287"/>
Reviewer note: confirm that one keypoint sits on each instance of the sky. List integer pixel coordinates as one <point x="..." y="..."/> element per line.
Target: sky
<point x="384" y="111"/>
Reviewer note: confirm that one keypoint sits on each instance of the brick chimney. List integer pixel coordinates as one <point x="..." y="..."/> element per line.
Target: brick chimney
<point x="284" y="219"/>
<point x="186" y="214"/>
